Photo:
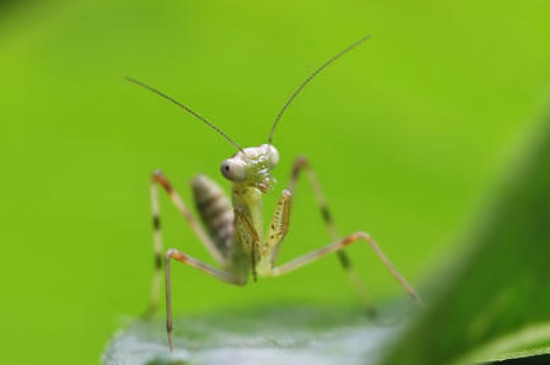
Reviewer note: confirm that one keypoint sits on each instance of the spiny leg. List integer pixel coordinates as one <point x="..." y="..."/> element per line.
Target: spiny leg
<point x="197" y="264"/>
<point x="300" y="164"/>
<point x="156" y="179"/>
<point x="250" y="241"/>
<point x="338" y="245"/>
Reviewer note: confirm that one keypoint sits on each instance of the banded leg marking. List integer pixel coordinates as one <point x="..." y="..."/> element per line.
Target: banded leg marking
<point x="157" y="248"/>
<point x="338" y="245"/>
<point x="159" y="178"/>
<point x="197" y="264"/>
<point x="300" y="164"/>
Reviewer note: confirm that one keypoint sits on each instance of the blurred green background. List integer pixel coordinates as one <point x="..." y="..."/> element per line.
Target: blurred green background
<point x="407" y="134"/>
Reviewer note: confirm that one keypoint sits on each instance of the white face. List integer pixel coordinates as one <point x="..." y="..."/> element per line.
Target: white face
<point x="251" y="163"/>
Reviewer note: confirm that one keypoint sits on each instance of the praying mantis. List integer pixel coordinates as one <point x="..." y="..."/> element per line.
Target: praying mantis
<point x="233" y="230"/>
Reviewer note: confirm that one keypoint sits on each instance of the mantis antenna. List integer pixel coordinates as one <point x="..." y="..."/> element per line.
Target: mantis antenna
<point x="309" y="78"/>
<point x="187" y="109"/>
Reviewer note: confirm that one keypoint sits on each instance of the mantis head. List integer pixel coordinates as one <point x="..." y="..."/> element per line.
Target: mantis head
<point x="252" y="166"/>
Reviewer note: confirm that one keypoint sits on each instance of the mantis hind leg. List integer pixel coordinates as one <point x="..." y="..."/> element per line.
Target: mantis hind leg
<point x="301" y="163"/>
<point x="158" y="178"/>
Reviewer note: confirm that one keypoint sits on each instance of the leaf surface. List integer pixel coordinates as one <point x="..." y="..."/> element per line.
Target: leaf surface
<point x="286" y="335"/>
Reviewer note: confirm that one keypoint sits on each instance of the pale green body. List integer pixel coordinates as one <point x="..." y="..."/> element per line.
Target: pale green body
<point x="251" y="249"/>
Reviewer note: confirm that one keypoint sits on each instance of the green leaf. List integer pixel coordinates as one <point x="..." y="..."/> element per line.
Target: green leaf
<point x="495" y="304"/>
<point x="282" y="335"/>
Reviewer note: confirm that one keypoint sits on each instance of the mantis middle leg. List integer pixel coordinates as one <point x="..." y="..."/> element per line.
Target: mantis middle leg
<point x="339" y="245"/>
<point x="199" y="265"/>
<point x="301" y="163"/>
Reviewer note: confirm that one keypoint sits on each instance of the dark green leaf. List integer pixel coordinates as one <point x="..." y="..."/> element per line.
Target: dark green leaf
<point x="496" y="305"/>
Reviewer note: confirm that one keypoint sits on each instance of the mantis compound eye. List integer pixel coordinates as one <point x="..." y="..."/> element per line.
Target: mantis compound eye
<point x="234" y="170"/>
<point x="273" y="156"/>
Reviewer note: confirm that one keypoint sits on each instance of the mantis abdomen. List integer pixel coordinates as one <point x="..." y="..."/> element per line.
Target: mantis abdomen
<point x="215" y="211"/>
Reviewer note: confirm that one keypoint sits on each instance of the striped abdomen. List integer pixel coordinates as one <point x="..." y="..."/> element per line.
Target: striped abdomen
<point x="215" y="211"/>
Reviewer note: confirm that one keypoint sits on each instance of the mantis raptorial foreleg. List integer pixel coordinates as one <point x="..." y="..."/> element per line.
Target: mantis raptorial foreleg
<point x="250" y="240"/>
<point x="197" y="264"/>
<point x="338" y="245"/>
<point x="301" y="163"/>
<point x="156" y="179"/>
